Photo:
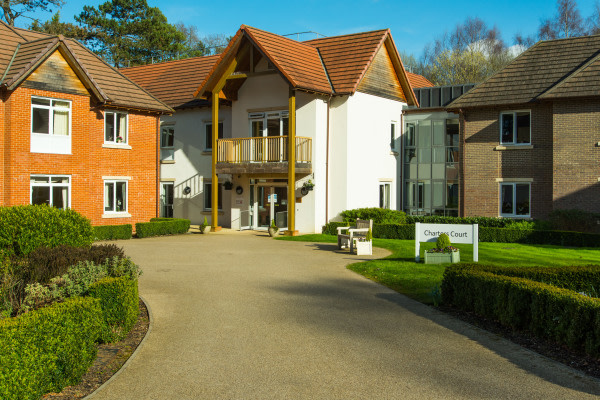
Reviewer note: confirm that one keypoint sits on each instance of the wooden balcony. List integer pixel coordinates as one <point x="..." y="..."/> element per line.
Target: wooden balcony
<point x="262" y="155"/>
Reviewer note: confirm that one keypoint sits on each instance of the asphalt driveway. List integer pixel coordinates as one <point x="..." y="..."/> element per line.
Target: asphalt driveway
<point x="242" y="316"/>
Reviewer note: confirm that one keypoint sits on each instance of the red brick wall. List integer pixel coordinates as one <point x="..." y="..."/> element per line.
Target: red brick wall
<point x="88" y="161"/>
<point x="576" y="155"/>
<point x="481" y="163"/>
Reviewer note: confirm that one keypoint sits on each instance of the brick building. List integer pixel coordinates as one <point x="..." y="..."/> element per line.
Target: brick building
<point x="530" y="134"/>
<point x="75" y="132"/>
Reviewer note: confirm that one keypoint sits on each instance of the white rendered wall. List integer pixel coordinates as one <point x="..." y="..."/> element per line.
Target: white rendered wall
<point x="369" y="159"/>
<point x="192" y="164"/>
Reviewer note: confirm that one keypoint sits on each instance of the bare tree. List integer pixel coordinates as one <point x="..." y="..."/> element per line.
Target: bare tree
<point x="565" y="24"/>
<point x="594" y="20"/>
<point x="13" y="9"/>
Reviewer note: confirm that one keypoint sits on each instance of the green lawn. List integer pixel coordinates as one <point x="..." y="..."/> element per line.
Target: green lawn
<point x="399" y="271"/>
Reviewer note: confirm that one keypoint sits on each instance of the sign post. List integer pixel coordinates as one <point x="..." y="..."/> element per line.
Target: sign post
<point x="456" y="233"/>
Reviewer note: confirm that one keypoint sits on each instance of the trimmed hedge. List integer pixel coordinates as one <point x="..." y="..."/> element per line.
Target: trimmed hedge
<point x="45" y="350"/>
<point x="492" y="222"/>
<point x="120" y="306"/>
<point x="487" y="234"/>
<point x="547" y="311"/>
<point x="112" y="232"/>
<point x="25" y="228"/>
<point x="173" y="226"/>
<point x="378" y="215"/>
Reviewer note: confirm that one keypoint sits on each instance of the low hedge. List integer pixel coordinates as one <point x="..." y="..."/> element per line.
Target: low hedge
<point x="378" y="215"/>
<point x="25" y="228"/>
<point x="547" y="311"/>
<point x="487" y="234"/>
<point x="112" y="232"/>
<point x="120" y="306"/>
<point x="45" y="350"/>
<point x="173" y="226"/>
<point x="583" y="279"/>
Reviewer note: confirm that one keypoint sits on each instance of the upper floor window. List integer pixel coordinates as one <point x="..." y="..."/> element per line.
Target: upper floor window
<point x="167" y="137"/>
<point x="393" y="129"/>
<point x="272" y="123"/>
<point x="515" y="127"/>
<point x="50" y="117"/>
<point x="208" y="135"/>
<point x="53" y="190"/>
<point x="115" y="127"/>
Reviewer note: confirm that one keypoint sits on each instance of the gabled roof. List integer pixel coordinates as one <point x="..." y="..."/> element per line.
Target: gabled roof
<point x="331" y="66"/>
<point x="174" y="82"/>
<point x="550" y="69"/>
<point x="22" y="51"/>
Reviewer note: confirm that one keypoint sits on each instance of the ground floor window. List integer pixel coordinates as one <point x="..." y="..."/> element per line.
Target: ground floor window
<point x="53" y="190"/>
<point x="115" y="196"/>
<point x="208" y="196"/>
<point x="166" y="199"/>
<point x="384" y="195"/>
<point x="515" y="199"/>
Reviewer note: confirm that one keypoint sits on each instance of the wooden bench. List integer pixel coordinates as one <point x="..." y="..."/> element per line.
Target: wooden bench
<point x="354" y="233"/>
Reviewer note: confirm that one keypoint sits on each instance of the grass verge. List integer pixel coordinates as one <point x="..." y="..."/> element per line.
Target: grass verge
<point x="399" y="272"/>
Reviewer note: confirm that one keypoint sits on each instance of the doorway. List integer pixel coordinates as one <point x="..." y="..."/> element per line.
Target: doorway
<point x="268" y="202"/>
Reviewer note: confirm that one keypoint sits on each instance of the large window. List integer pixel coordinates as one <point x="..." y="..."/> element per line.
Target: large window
<point x="431" y="167"/>
<point x="273" y="123"/>
<point x="50" y="126"/>
<point x="208" y="135"/>
<point x="166" y="199"/>
<point x="515" y="199"/>
<point x="115" y="127"/>
<point x="208" y="196"/>
<point x="167" y="143"/>
<point x="53" y="190"/>
<point x="515" y="127"/>
<point x="115" y="196"/>
<point x="384" y="195"/>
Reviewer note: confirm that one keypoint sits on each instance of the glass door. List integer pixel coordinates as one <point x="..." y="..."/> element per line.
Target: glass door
<point x="166" y="200"/>
<point x="271" y="204"/>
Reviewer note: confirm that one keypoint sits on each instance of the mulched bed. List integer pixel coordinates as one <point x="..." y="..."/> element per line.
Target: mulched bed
<point x="110" y="359"/>
<point x="557" y="352"/>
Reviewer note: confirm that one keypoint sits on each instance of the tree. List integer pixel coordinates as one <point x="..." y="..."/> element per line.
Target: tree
<point x="469" y="54"/>
<point x="13" y="9"/>
<point x="193" y="46"/>
<point x="594" y="20"/>
<point x="55" y="27"/>
<point x="129" y="32"/>
<point x="565" y="24"/>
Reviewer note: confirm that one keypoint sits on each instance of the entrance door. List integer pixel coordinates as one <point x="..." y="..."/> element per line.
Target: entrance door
<point x="166" y="200"/>
<point x="271" y="204"/>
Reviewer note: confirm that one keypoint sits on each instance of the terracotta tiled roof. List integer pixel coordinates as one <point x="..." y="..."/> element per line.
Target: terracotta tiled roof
<point x="548" y="69"/>
<point x="347" y="57"/>
<point x="27" y="49"/>
<point x="418" y="81"/>
<point x="173" y="82"/>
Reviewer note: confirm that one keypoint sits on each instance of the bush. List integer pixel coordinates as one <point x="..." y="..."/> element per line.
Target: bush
<point x="558" y="238"/>
<point x="112" y="232"/>
<point x="573" y="220"/>
<point x="46" y="350"/>
<point x="442" y="242"/>
<point x="120" y="306"/>
<point x="495" y="222"/>
<point x="172" y="227"/>
<point x="378" y="215"/>
<point x="25" y="228"/>
<point x="547" y="311"/>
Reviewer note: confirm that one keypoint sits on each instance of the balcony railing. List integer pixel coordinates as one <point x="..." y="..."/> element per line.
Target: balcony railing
<point x="262" y="150"/>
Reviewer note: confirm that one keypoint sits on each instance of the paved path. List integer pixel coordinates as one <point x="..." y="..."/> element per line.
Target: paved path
<point x="242" y="316"/>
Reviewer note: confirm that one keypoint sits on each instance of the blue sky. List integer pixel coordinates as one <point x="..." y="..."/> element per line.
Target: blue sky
<point x="412" y="23"/>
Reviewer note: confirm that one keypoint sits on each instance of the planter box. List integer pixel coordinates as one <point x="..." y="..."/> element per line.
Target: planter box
<point x="364" y="248"/>
<point x="442" y="258"/>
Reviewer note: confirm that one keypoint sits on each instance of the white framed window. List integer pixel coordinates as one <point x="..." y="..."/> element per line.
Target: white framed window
<point x="385" y="190"/>
<point x="167" y="136"/>
<point x="115" y="196"/>
<point x="53" y="190"/>
<point x="208" y="135"/>
<point x="515" y="127"/>
<point x="116" y="129"/>
<point x="166" y="199"/>
<point x="271" y="123"/>
<point x="208" y="196"/>
<point x="393" y="131"/>
<point x="515" y="199"/>
<point x="50" y="125"/>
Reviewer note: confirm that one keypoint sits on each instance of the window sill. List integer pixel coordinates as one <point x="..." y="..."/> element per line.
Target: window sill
<point x="116" y="146"/>
<point x="513" y="147"/>
<point x="167" y="161"/>
<point x="209" y="212"/>
<point x="206" y="152"/>
<point x="116" y="215"/>
<point x="515" y="180"/>
<point x="528" y="217"/>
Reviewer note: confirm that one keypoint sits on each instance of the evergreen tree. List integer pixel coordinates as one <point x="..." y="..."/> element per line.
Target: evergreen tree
<point x="13" y="9"/>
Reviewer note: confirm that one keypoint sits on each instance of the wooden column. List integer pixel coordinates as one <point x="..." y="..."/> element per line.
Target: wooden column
<point x="215" y="179"/>
<point x="292" y="165"/>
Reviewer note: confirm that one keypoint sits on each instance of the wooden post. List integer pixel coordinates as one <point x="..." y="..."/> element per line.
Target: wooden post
<point x="292" y="165"/>
<point x="215" y="179"/>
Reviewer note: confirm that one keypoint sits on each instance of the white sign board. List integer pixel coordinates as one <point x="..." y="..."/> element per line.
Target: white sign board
<point x="457" y="234"/>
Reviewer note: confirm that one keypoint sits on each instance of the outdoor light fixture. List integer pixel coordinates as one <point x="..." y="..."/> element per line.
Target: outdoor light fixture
<point x="239" y="190"/>
<point x="187" y="190"/>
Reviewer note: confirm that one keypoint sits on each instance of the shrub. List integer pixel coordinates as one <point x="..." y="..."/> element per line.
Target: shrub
<point x="112" y="232"/>
<point x="172" y="227"/>
<point x="120" y="306"/>
<point x="442" y="242"/>
<point x="378" y="215"/>
<point x="25" y="228"/>
<point x="573" y="220"/>
<point x="558" y="238"/>
<point x="547" y="311"/>
<point x="48" y="349"/>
